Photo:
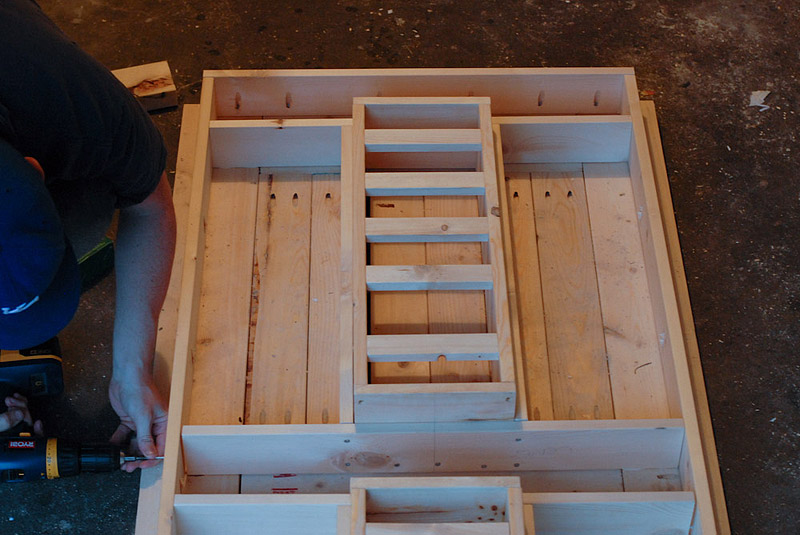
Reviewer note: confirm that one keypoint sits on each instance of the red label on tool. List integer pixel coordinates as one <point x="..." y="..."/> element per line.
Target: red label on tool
<point x="21" y="444"/>
<point x="276" y="476"/>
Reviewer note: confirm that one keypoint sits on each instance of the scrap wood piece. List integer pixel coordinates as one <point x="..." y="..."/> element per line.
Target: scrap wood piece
<point x="151" y="84"/>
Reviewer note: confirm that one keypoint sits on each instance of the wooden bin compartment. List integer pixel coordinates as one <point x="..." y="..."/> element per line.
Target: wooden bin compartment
<point x="266" y="311"/>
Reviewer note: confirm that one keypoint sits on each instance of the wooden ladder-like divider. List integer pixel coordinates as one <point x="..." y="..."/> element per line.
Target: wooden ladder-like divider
<point x="443" y="401"/>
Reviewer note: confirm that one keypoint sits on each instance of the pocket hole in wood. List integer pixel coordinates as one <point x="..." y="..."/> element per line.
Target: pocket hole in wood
<point x="546" y="193"/>
<point x="516" y="194"/>
<point x="569" y="194"/>
<point x="272" y="196"/>
<point x="540" y="100"/>
<point x="327" y="195"/>
<point x="596" y="98"/>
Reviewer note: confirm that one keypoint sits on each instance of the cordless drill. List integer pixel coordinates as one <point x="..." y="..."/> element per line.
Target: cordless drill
<point x="36" y="372"/>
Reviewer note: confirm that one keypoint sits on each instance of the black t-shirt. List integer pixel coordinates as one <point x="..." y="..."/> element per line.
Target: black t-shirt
<point x="65" y="109"/>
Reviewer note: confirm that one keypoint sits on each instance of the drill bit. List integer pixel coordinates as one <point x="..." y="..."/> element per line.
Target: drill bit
<point x="134" y="458"/>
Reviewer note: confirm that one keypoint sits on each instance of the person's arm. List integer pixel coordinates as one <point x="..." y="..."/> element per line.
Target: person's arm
<point x="144" y="251"/>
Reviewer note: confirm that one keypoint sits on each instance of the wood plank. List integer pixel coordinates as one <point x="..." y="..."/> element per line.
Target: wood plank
<point x="323" y="313"/>
<point x="186" y="332"/>
<point x="151" y="84"/>
<point x="667" y="314"/>
<point x="276" y="143"/>
<point x="439" y="402"/>
<point x="530" y="524"/>
<point x="346" y="299"/>
<point x="220" y="359"/>
<point x="427" y="229"/>
<point x="358" y="512"/>
<point x="529" y="286"/>
<point x="624" y="513"/>
<point x="652" y="480"/>
<point x="359" y="256"/>
<point x="565" y="139"/>
<point x="514" y="512"/>
<point x="532" y="481"/>
<point x="282" y="250"/>
<point x="446" y="528"/>
<point x="423" y="140"/>
<point x="387" y="184"/>
<point x="439" y="277"/>
<point x="634" y="362"/>
<point x="575" y="343"/>
<point x="398" y="312"/>
<point x="257" y="514"/>
<point x="457" y="447"/>
<point x="511" y="282"/>
<point x="514" y="91"/>
<point x="150" y="481"/>
<point x="428" y="115"/>
<point x="687" y="322"/>
<point x="431" y="347"/>
<point x="497" y="300"/>
<point x="456" y="311"/>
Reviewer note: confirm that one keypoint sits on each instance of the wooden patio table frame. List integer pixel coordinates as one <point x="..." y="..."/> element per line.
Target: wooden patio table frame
<point x="232" y="93"/>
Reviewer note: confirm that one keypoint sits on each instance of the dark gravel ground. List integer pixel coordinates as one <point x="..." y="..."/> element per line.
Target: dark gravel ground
<point x="733" y="172"/>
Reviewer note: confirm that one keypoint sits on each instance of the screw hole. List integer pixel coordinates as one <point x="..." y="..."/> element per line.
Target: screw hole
<point x="569" y="194"/>
<point x="437" y="464"/>
<point x="347" y="441"/>
<point x="483" y="466"/>
<point x="546" y="193"/>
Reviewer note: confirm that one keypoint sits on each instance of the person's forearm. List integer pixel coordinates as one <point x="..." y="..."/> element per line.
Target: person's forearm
<point x="144" y="251"/>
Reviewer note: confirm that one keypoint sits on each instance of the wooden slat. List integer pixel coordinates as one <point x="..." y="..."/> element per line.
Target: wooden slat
<point x="358" y="511"/>
<point x="346" y="302"/>
<point x="323" y="313"/>
<point x="497" y="299"/>
<point x="359" y="254"/>
<point x="607" y="445"/>
<point x="212" y="514"/>
<point x="186" y="331"/>
<point x="687" y="322"/>
<point x="529" y="286"/>
<point x="446" y="528"/>
<point x="150" y="482"/>
<point x="220" y="360"/>
<point x="440" y="277"/>
<point x="424" y="183"/>
<point x="667" y="314"/>
<point x="522" y="412"/>
<point x="430" y="347"/>
<point x="623" y="513"/>
<point x="456" y="311"/>
<point x="423" y="140"/>
<point x="575" y="343"/>
<point x="634" y="362"/>
<point x="439" y="402"/>
<point x="282" y="250"/>
<point x="427" y="229"/>
<point x="515" y="512"/>
<point x="398" y="312"/>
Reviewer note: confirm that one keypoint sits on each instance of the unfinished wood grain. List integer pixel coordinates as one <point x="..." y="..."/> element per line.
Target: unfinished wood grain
<point x="648" y="110"/>
<point x="428" y="229"/>
<point x="323" y="306"/>
<point x="575" y="343"/>
<point x="432" y="347"/>
<point x="423" y="140"/>
<point x="359" y="253"/>
<point x="529" y="287"/>
<point x="497" y="300"/>
<point x="346" y="302"/>
<point x="220" y="359"/>
<point x="151" y="84"/>
<point x="429" y="277"/>
<point x="386" y="184"/>
<point x="282" y="249"/>
<point x="150" y="482"/>
<point x="522" y="412"/>
<point x="634" y="362"/>
<point x="624" y="513"/>
<point x="398" y="312"/>
<point x="446" y="528"/>
<point x="450" y="311"/>
<point x="186" y="331"/>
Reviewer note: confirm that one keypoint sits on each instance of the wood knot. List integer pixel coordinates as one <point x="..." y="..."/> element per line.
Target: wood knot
<point x="495" y="211"/>
<point x="444" y="228"/>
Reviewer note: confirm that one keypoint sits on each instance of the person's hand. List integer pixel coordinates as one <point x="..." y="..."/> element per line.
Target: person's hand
<point x="17" y="412"/>
<point x="141" y="411"/>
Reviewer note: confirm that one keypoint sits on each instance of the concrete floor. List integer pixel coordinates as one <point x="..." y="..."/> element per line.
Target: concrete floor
<point x="733" y="172"/>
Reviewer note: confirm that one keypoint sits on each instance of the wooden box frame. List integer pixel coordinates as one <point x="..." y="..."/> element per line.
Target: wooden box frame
<point x="270" y="119"/>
